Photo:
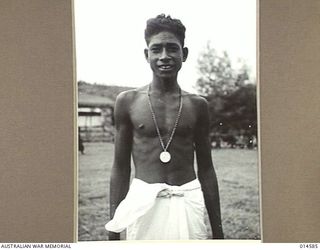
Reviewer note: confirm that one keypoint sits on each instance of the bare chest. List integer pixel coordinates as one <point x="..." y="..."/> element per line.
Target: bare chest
<point x="165" y="111"/>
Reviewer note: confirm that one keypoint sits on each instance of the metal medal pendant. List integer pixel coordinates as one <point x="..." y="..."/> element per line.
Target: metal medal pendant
<point x="165" y="157"/>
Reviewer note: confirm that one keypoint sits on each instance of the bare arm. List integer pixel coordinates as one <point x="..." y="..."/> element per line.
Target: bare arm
<point x="120" y="173"/>
<point x="206" y="173"/>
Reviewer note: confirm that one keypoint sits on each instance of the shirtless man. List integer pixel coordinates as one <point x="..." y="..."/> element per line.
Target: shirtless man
<point x="182" y="121"/>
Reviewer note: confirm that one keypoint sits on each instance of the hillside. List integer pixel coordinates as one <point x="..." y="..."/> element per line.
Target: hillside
<point x="110" y="91"/>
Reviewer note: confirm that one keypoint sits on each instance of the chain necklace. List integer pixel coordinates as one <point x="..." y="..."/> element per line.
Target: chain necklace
<point x="165" y="156"/>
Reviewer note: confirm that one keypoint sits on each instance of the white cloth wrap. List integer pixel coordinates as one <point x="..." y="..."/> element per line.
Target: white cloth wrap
<point x="159" y="211"/>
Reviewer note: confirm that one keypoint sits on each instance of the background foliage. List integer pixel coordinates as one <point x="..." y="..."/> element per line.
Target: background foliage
<point x="231" y="97"/>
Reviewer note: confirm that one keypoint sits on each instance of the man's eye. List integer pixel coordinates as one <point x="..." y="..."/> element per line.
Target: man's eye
<point x="173" y="49"/>
<point x="155" y="50"/>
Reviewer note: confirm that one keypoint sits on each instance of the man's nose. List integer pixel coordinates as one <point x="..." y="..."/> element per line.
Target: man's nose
<point x="164" y="55"/>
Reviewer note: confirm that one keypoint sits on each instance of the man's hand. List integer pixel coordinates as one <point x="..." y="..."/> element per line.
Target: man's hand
<point x="217" y="233"/>
<point x="114" y="236"/>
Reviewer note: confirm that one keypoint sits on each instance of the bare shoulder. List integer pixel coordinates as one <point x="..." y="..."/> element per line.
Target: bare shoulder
<point x="200" y="108"/>
<point x="132" y="93"/>
<point x="199" y="102"/>
<point x="123" y="104"/>
<point x="126" y="98"/>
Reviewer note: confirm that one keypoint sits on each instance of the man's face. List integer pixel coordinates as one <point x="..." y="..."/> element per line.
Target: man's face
<point x="165" y="54"/>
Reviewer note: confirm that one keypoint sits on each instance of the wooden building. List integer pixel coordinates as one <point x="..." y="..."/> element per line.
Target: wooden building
<point x="95" y="117"/>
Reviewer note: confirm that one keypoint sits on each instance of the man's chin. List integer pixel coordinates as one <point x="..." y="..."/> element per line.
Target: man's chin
<point x="166" y="74"/>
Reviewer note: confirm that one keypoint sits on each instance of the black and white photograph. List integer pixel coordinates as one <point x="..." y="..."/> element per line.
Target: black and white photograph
<point x="167" y="120"/>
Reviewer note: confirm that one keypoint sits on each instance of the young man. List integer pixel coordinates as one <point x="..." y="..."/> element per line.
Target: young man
<point x="162" y="126"/>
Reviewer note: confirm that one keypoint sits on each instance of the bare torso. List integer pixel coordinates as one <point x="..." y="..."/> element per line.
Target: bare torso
<point x="136" y="133"/>
<point x="146" y="146"/>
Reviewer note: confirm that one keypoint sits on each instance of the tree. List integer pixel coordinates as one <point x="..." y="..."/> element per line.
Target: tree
<point x="216" y="74"/>
<point x="240" y="110"/>
<point x="230" y="94"/>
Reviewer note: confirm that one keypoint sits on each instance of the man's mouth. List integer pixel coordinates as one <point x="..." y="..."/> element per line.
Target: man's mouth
<point x="165" y="67"/>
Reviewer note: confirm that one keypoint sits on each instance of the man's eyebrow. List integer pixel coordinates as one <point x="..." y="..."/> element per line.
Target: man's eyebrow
<point x="166" y="44"/>
<point x="173" y="44"/>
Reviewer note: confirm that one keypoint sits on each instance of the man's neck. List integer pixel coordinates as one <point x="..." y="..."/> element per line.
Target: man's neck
<point x="164" y="85"/>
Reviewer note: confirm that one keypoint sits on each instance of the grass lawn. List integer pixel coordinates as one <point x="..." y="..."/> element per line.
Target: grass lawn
<point x="237" y="172"/>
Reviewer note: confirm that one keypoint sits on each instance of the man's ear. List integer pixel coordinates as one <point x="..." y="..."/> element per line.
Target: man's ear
<point x="185" y="52"/>
<point x="146" y="54"/>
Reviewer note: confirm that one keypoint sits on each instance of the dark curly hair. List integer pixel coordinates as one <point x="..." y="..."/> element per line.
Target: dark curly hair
<point x="164" y="23"/>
